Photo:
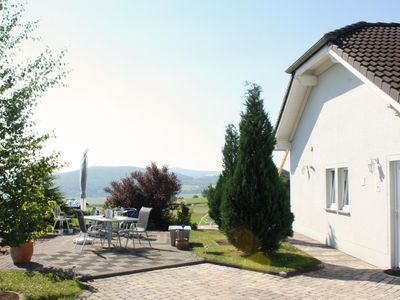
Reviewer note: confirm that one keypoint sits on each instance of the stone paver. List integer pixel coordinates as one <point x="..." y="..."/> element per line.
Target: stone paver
<point x="59" y="253"/>
<point x="343" y="277"/>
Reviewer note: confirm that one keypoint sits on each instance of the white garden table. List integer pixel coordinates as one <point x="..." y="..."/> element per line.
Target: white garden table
<point x="109" y="221"/>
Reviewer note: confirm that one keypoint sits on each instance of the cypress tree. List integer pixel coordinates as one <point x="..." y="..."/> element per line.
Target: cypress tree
<point x="255" y="207"/>
<point x="229" y="153"/>
<point x="214" y="201"/>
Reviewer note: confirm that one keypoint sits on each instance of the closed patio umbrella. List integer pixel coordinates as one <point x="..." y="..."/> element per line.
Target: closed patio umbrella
<point x="84" y="179"/>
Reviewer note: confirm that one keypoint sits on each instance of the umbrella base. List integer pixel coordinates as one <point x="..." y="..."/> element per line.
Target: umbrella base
<point x="79" y="241"/>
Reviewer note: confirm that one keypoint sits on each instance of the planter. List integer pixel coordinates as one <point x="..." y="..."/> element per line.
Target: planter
<point x="23" y="253"/>
<point x="8" y="295"/>
<point x="182" y="244"/>
<point x="173" y="232"/>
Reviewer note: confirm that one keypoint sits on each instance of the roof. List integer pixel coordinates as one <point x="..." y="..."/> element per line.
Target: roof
<point x="373" y="49"/>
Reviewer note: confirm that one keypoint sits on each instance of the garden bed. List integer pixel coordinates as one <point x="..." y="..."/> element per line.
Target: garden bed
<point x="213" y="246"/>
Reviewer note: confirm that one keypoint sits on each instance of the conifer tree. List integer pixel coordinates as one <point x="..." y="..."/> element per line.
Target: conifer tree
<point x="256" y="210"/>
<point x="229" y="153"/>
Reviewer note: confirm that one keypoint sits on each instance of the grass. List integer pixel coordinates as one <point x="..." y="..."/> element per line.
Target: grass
<point x="95" y="201"/>
<point x="40" y="285"/>
<point x="196" y="201"/>
<point x="198" y="207"/>
<point x="198" y="213"/>
<point x="286" y="259"/>
<point x="187" y="195"/>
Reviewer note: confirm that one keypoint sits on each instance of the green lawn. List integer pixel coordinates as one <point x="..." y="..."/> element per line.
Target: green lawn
<point x="286" y="259"/>
<point x="40" y="285"/>
<point x="95" y="201"/>
<point x="198" y="207"/>
<point x="196" y="201"/>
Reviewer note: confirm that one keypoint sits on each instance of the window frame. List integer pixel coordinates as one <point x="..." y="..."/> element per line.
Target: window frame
<point x="343" y="189"/>
<point x="337" y="189"/>
<point x="331" y="202"/>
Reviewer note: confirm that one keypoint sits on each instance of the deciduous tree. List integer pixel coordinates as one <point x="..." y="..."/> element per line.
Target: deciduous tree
<point x="154" y="188"/>
<point x="25" y="171"/>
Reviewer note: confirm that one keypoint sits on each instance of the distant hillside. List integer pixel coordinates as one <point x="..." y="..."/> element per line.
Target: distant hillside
<point x="194" y="173"/>
<point x="193" y="181"/>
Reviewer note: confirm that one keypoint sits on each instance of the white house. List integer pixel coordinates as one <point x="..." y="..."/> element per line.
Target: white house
<point x="340" y="122"/>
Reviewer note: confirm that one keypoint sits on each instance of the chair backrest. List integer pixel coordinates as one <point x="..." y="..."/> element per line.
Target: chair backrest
<point x="144" y="214"/>
<point x="132" y="213"/>
<point x="81" y="220"/>
<point x="94" y="211"/>
<point x="56" y="212"/>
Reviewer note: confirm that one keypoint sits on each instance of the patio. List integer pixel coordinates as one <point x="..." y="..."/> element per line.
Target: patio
<point x="343" y="277"/>
<point x="96" y="262"/>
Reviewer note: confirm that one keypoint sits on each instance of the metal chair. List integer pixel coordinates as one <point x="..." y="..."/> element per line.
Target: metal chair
<point x="126" y="231"/>
<point x="59" y="218"/>
<point x="132" y="213"/>
<point x="141" y="226"/>
<point x="95" y="231"/>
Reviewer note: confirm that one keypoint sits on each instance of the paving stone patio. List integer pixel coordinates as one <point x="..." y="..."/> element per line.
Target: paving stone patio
<point x="95" y="261"/>
<point x="343" y="277"/>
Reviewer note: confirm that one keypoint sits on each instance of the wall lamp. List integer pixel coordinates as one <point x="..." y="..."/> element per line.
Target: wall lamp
<point x="372" y="163"/>
<point x="307" y="168"/>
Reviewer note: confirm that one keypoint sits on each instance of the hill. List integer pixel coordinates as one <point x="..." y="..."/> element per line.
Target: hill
<point x="193" y="181"/>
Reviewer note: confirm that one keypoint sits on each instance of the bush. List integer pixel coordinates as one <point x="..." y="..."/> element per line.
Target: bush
<point x="206" y="192"/>
<point x="183" y="215"/>
<point x="154" y="188"/>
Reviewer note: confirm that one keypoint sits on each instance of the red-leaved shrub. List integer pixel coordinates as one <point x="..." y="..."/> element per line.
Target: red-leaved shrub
<point x="154" y="188"/>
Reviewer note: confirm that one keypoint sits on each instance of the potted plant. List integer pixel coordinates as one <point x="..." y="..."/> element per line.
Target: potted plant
<point x="23" y="217"/>
<point x="24" y="170"/>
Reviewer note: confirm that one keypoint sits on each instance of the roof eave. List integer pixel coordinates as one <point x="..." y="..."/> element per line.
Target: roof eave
<point x="301" y="82"/>
<point x="308" y="54"/>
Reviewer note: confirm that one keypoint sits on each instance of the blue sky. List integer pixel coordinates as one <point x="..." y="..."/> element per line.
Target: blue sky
<point x="159" y="80"/>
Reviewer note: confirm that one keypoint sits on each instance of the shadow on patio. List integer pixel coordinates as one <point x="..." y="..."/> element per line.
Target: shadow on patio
<point x="339" y="265"/>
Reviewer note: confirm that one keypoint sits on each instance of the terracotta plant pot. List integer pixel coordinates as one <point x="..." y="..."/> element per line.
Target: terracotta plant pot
<point x="8" y="295"/>
<point x="23" y="253"/>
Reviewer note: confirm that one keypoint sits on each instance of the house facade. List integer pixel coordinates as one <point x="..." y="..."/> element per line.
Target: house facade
<point x="340" y="122"/>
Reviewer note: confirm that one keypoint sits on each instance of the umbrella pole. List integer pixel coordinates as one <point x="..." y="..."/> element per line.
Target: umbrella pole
<point x="83" y="204"/>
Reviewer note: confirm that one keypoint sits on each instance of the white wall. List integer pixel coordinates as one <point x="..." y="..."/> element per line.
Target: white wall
<point x="346" y="124"/>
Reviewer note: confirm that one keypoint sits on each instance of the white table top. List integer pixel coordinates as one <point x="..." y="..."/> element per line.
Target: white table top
<point x="115" y="219"/>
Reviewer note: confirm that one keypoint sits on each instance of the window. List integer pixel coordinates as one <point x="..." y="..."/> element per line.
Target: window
<point x="337" y="190"/>
<point x="330" y="188"/>
<point x="343" y="174"/>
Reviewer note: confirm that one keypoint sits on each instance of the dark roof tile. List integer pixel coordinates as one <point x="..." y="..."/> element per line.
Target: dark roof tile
<point x="373" y="49"/>
<point x="363" y="70"/>
<point x="386" y="87"/>
<point x="378" y="81"/>
<point x="396" y="85"/>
